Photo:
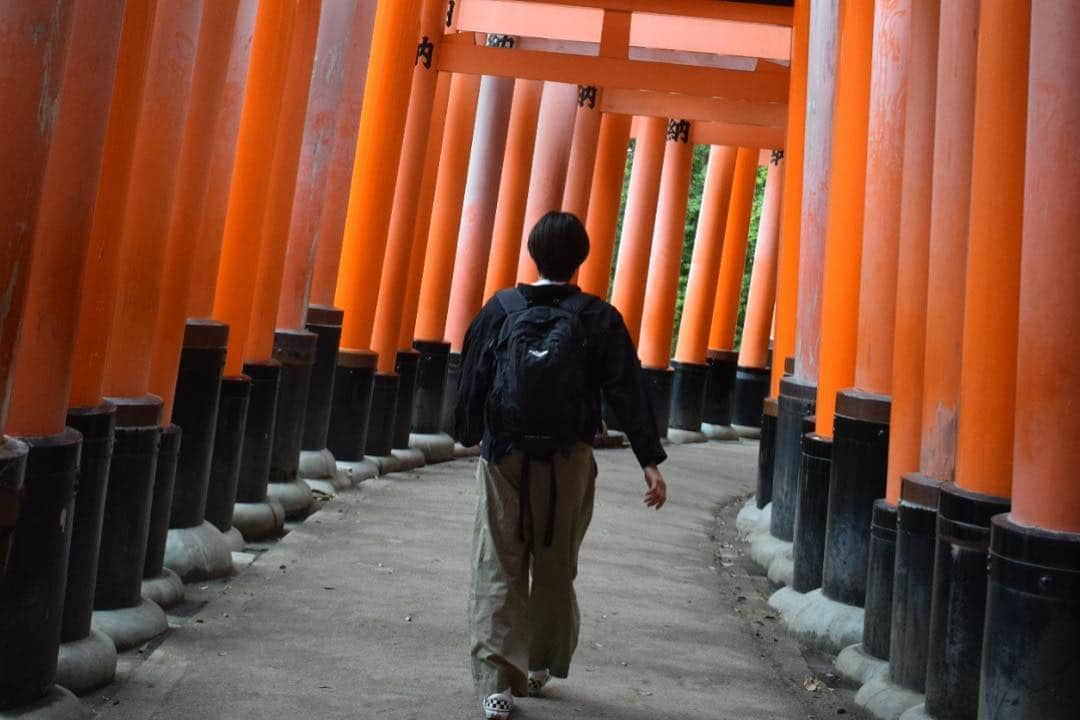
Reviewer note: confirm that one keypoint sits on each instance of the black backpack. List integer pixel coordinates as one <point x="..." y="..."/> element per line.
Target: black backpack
<point x="539" y="388"/>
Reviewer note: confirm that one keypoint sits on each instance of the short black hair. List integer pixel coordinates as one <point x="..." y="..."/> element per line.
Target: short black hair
<point x="558" y="245"/>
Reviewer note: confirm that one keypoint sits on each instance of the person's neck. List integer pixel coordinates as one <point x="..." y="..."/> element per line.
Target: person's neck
<point x="545" y="281"/>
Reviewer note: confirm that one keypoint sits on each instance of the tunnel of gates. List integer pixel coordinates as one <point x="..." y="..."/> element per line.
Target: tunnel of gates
<point x="242" y="241"/>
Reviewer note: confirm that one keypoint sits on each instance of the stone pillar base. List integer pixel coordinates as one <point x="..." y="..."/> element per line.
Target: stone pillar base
<point x="752" y="520"/>
<point x="57" y="704"/>
<point x="860" y="667"/>
<point x="886" y="700"/>
<point x="132" y="626"/>
<point x="197" y="553"/>
<point x="436" y="447"/>
<point x="746" y="431"/>
<point x="724" y="433"/>
<point x="234" y="540"/>
<point x="318" y="468"/>
<point x="686" y="437"/>
<point x="356" y="472"/>
<point x="259" y="521"/>
<point x="818" y="621"/>
<point x="294" y="497"/>
<point x="460" y="451"/>
<point x="398" y="461"/>
<point x="87" y="664"/>
<point x="165" y="590"/>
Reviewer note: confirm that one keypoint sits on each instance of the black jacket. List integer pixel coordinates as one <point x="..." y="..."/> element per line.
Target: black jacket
<point x="614" y="370"/>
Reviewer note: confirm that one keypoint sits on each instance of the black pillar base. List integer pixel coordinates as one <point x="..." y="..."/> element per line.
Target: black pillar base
<point x="958" y="609"/>
<point x="794" y="404"/>
<point x="766" y="453"/>
<point x="859" y="472"/>
<point x="450" y="393"/>
<point x="195" y="410"/>
<point x="228" y="445"/>
<point x="380" y="437"/>
<point x="295" y="350"/>
<point x="877" y="622"/>
<point x="405" y="366"/>
<point x="719" y="386"/>
<point x="325" y="322"/>
<point x="658" y="382"/>
<point x="32" y="586"/>
<point x="161" y="504"/>
<point x="748" y="395"/>
<point x="687" y="409"/>
<point x="128" y="500"/>
<point x="1029" y="658"/>
<point x="430" y="385"/>
<point x="913" y="581"/>
<point x="808" y="551"/>
<point x="12" y="470"/>
<point x="97" y="425"/>
<point x="258" y="431"/>
<point x="351" y="406"/>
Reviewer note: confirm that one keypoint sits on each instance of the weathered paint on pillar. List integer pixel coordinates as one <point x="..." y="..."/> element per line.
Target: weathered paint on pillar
<point x="605" y="196"/>
<point x="950" y="211"/>
<point x="817" y="159"/>
<point x="847" y="179"/>
<point x="283" y="175"/>
<point x="583" y="149"/>
<point x="761" y="300"/>
<point x="513" y="186"/>
<point x="249" y="189"/>
<point x="316" y="154"/>
<point x="708" y="249"/>
<point x="551" y="156"/>
<point x="159" y="136"/>
<point x="733" y="260"/>
<point x="632" y="266"/>
<point x="378" y="149"/>
<point x="210" y="222"/>
<point x="446" y="209"/>
<point x="787" y="273"/>
<point x="97" y="310"/>
<point x="913" y="256"/>
<point x="479" y="207"/>
<point x="410" y="175"/>
<point x="988" y="376"/>
<point x="45" y="357"/>
<point x="425" y="200"/>
<point x="881" y="222"/>
<point x="1045" y="452"/>
<point x="346" y="126"/>
<point x="665" y="261"/>
<point x="218" y="28"/>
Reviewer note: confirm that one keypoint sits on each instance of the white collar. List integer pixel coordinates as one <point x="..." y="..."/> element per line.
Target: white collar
<point x="545" y="281"/>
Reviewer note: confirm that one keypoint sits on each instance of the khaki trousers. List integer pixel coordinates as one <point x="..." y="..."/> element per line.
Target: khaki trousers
<point x="515" y="627"/>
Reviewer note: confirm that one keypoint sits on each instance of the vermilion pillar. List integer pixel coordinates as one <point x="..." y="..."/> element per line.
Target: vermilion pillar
<point x="988" y="366"/>
<point x="551" y="156"/>
<point x="689" y="403"/>
<point x="1031" y="663"/>
<point x="665" y="263"/>
<point x="605" y="196"/>
<point x="513" y="186"/>
<point x="391" y="384"/>
<point x="752" y="375"/>
<point x="632" y="266"/>
<point x="910" y="331"/>
<point x="44" y="363"/>
<point x="859" y="453"/>
<point x="346" y="125"/>
<point x="210" y="224"/>
<point x="583" y="152"/>
<point x="799" y="392"/>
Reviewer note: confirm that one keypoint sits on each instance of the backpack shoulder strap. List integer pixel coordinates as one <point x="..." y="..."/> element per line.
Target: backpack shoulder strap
<point x="512" y="300"/>
<point x="577" y="302"/>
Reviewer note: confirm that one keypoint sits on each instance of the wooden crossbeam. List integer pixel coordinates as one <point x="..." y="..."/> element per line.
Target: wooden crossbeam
<point x="712" y="9"/>
<point x="691" y="107"/>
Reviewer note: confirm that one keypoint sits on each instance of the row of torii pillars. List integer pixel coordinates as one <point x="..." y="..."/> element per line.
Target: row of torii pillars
<point x="229" y="265"/>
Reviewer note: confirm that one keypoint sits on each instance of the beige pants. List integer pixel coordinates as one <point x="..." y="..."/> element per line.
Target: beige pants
<point x="515" y="627"/>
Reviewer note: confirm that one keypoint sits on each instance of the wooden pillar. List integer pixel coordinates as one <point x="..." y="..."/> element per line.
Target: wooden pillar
<point x="346" y="126"/>
<point x="513" y="186"/>
<point x="787" y="281"/>
<point x="733" y="260"/>
<point x="551" y="156"/>
<point x="583" y="152"/>
<point x="446" y="212"/>
<point x="847" y="178"/>
<point x="210" y="222"/>
<point x="632" y="266"/>
<point x="316" y="155"/>
<point x="605" y="195"/>
<point x="754" y="348"/>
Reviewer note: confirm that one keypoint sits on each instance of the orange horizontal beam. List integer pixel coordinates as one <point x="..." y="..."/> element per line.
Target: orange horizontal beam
<point x="712" y="9"/>
<point x="722" y="133"/>
<point x="690" y="107"/>
<point x="616" y="73"/>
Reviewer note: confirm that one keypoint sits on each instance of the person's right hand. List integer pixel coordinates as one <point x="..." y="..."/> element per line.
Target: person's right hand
<point x="656" y="495"/>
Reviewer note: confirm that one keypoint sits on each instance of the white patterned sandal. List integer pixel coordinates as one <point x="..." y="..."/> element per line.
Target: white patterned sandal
<point x="537" y="680"/>
<point x="497" y="706"/>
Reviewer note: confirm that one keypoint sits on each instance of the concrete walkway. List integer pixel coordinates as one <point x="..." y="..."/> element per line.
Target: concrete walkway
<point x="360" y="612"/>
